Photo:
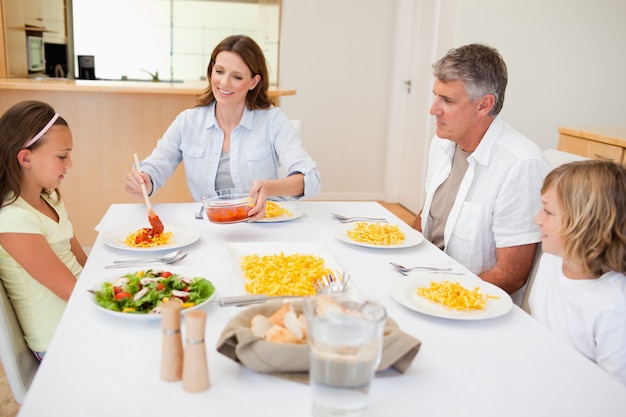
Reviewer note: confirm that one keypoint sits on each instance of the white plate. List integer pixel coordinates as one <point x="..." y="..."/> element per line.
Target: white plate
<point x="411" y="237"/>
<point x="145" y="317"/>
<point x="296" y="213"/>
<point x="181" y="236"/>
<point x="404" y="291"/>
<point x="237" y="250"/>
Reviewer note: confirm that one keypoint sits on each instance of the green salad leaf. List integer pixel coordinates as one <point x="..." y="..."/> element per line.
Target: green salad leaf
<point x="143" y="292"/>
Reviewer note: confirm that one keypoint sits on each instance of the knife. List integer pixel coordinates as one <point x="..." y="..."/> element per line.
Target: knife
<point x="244" y="300"/>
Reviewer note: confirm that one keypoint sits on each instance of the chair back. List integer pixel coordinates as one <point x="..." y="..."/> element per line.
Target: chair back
<point x="557" y="158"/>
<point x="20" y="365"/>
<point x="298" y="125"/>
<point x="531" y="279"/>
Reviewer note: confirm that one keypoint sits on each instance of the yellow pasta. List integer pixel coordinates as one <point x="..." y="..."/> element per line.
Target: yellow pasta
<point x="142" y="239"/>
<point x="275" y="210"/>
<point x="376" y="234"/>
<point x="455" y="296"/>
<point x="282" y="274"/>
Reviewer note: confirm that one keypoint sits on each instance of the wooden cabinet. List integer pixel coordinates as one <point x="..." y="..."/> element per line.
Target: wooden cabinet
<point x="19" y="18"/>
<point x="595" y="142"/>
<point x="32" y="13"/>
<point x="53" y="12"/>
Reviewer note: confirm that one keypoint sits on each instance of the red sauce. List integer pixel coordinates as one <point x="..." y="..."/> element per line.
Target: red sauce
<point x="146" y="236"/>
<point x="228" y="214"/>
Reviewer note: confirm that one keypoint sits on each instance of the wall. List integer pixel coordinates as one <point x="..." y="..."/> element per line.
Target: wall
<point x="566" y="60"/>
<point x="337" y="54"/>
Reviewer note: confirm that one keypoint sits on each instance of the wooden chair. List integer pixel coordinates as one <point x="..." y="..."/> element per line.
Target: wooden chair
<point x="20" y="365"/>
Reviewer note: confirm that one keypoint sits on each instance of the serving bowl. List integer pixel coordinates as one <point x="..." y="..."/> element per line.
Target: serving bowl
<point x="228" y="206"/>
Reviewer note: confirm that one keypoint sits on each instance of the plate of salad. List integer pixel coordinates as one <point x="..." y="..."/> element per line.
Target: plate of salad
<point x="140" y="294"/>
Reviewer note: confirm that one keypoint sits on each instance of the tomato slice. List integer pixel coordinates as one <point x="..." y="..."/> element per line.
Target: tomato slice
<point x="122" y="295"/>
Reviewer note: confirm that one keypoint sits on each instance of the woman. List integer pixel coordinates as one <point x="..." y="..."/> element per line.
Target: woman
<point x="233" y="138"/>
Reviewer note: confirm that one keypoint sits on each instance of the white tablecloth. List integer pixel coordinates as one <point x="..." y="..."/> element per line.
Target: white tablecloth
<point x="101" y="365"/>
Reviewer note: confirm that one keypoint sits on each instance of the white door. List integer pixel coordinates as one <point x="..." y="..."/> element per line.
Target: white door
<point x="422" y="36"/>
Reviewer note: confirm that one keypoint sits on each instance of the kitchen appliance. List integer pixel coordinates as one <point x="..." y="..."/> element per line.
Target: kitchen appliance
<point x="86" y="67"/>
<point x="35" y="54"/>
<point x="56" y="60"/>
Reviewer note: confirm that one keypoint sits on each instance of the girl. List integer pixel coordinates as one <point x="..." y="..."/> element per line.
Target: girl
<point x="580" y="288"/>
<point x="40" y="258"/>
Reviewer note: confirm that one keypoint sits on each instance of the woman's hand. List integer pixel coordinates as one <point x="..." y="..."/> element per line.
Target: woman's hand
<point x="258" y="193"/>
<point x="134" y="179"/>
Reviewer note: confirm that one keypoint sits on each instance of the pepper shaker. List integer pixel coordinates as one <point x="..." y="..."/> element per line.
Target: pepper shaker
<point x="195" y="367"/>
<point x="172" y="344"/>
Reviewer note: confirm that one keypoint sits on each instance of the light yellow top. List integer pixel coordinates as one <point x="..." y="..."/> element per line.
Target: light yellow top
<point x="37" y="308"/>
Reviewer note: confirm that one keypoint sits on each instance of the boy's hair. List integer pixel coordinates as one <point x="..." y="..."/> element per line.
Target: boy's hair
<point x="592" y="198"/>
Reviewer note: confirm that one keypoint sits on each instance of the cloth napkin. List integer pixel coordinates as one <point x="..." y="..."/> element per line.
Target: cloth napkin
<point x="291" y="361"/>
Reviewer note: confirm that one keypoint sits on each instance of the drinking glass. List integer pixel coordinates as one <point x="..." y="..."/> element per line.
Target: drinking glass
<point x="345" y="337"/>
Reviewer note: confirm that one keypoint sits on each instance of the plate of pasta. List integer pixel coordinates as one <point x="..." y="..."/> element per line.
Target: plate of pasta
<point x="279" y="269"/>
<point x="280" y="212"/>
<point x="124" y="237"/>
<point x="451" y="296"/>
<point x="379" y="235"/>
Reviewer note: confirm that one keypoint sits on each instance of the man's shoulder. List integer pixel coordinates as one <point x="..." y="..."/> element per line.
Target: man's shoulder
<point x="520" y="146"/>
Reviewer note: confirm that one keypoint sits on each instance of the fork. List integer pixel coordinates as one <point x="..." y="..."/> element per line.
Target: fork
<point x="334" y="282"/>
<point x="406" y="270"/>
<point x="432" y="272"/>
<point x="200" y="213"/>
<point x="172" y="261"/>
<point x="345" y="219"/>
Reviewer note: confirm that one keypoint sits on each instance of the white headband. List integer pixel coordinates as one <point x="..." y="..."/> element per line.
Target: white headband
<point x="42" y="131"/>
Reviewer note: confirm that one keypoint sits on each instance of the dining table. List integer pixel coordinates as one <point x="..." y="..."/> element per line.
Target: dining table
<point x="106" y="364"/>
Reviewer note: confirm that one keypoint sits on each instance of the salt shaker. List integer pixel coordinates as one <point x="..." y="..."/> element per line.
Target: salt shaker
<point x="195" y="367"/>
<point x="172" y="344"/>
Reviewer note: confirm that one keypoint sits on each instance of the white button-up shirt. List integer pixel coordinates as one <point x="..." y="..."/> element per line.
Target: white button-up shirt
<point x="264" y="141"/>
<point x="497" y="200"/>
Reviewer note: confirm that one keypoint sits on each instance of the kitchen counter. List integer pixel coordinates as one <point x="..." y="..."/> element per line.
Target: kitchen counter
<point x="143" y="87"/>
<point x="110" y="120"/>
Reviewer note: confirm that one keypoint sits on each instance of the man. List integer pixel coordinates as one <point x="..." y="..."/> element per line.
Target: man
<point x="484" y="178"/>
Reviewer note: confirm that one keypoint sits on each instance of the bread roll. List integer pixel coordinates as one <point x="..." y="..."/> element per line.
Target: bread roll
<point x="260" y="325"/>
<point x="291" y="323"/>
<point x="279" y="334"/>
<point x="277" y="317"/>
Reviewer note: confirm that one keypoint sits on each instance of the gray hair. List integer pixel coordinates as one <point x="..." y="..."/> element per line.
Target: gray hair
<point x="480" y="67"/>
